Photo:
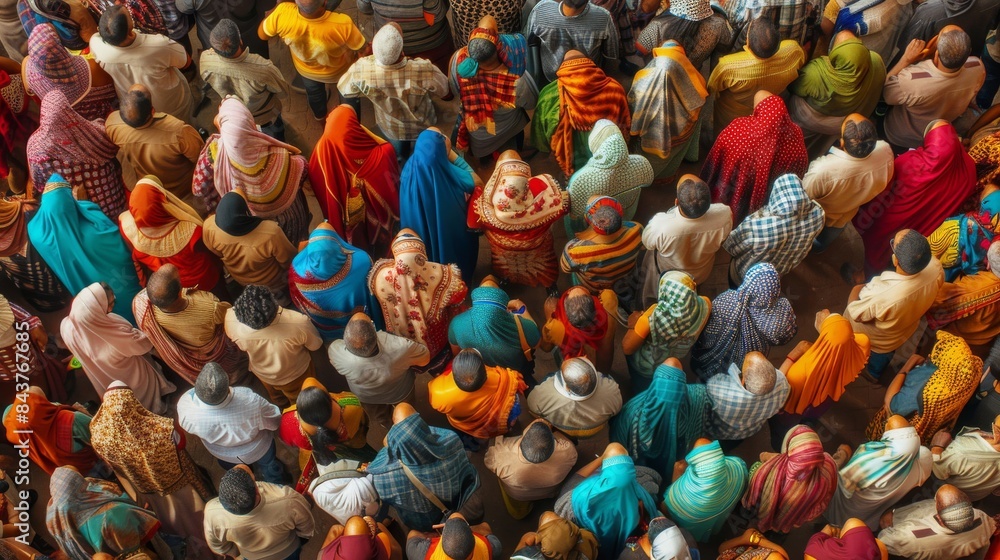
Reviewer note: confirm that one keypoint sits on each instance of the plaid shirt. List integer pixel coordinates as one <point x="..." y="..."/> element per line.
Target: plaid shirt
<point x="795" y="19"/>
<point x="736" y="413"/>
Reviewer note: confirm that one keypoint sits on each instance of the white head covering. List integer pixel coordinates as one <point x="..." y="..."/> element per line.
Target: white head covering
<point x="387" y="45"/>
<point x="670" y="545"/>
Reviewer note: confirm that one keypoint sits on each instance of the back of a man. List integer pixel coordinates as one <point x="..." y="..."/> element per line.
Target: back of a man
<point x="572" y="25"/>
<point x="944" y="528"/>
<point x="424" y="24"/>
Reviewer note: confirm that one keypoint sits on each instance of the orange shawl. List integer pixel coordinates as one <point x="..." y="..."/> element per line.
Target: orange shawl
<point x="47" y="425"/>
<point x="836" y="359"/>
<point x="483" y="413"/>
<point x="586" y="95"/>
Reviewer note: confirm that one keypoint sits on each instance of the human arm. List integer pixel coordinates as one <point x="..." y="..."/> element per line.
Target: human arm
<point x="899" y="380"/>
<point x="283" y="250"/>
<point x="638" y="331"/>
<point x="270" y="414"/>
<point x="914" y="52"/>
<point x="299" y="510"/>
<point x="190" y="143"/>
<point x="219" y="543"/>
<point x="794" y="356"/>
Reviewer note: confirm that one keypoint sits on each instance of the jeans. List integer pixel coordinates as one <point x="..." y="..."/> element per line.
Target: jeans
<point x="878" y="362"/>
<point x="271" y="469"/>
<point x="276" y="129"/>
<point x="316" y="96"/>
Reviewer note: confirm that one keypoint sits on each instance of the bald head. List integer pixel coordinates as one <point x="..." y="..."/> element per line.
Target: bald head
<point x="508" y="155"/>
<point x="758" y="374"/>
<point x="841" y="37"/>
<point x="356" y="526"/>
<point x="954" y="509"/>
<point x="402" y="412"/>
<point x="360" y="337"/>
<point x="993" y="257"/>
<point x="137" y="106"/>
<point x="488" y="22"/>
<point x="953" y="47"/>
<point x="896" y="422"/>
<point x="164" y="287"/>
<point x="579" y="376"/>
<point x="761" y="96"/>
<point x="702" y="441"/>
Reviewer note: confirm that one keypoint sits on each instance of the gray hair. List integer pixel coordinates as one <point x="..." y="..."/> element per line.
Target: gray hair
<point x="579" y="376"/>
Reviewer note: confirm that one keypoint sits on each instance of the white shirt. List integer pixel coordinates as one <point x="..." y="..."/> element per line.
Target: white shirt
<point x="384" y="378"/>
<point x="686" y="244"/>
<point x="344" y="498"/>
<point x="238" y="430"/>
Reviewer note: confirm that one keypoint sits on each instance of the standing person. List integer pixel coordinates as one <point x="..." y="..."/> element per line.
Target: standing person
<point x="19" y="258"/>
<point x="17" y="327"/>
<point x="853" y="541"/>
<point x="426" y="31"/>
<point x="576" y="399"/>
<point x="751" y="153"/>
<point x="482" y="402"/>
<point x="969" y="462"/>
<point x="322" y="44"/>
<point x="577" y="25"/>
<point x="581" y="324"/>
<point x="939" y="529"/>
<point x="233" y="68"/>
<point x="707" y="486"/>
<point x="878" y="24"/>
<point x="744" y="397"/>
<point x="150" y="460"/>
<point x="693" y="24"/>
<point x="457" y="540"/>
<point x="58" y="435"/>
<point x="110" y="349"/>
<point x="468" y="14"/>
<point x="499" y="328"/>
<point x="131" y="57"/>
<point x="277" y="341"/>
<point x="433" y="193"/>
<point x="361" y="538"/>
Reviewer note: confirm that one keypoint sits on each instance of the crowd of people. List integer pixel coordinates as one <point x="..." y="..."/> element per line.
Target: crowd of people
<point x="201" y="273"/>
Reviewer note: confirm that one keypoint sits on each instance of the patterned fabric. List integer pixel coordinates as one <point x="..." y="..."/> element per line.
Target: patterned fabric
<point x="828" y="366"/>
<point x="14" y="320"/>
<point x="677" y="319"/>
<point x="751" y="153"/>
<point x="961" y="242"/>
<point x="50" y="444"/>
<point x="883" y="463"/>
<point x="622" y="15"/>
<point x="466" y="15"/>
<point x="16" y="124"/>
<point x="576" y="340"/>
<point x="944" y="395"/>
<point x="781" y="233"/>
<point x="736" y="413"/>
<point x="57" y="13"/>
<point x="666" y="100"/>
<point x="746" y="553"/>
<point x="700" y="499"/>
<point x="482" y="92"/>
<point x="50" y="66"/>
<point x="794" y="487"/>
<point x="592" y="32"/>
<point x="986" y="154"/>
<point x="40" y="287"/>
<point x="517" y="211"/>
<point x="146" y="16"/>
<point x="750" y="318"/>
<point x="436" y="458"/>
<point x="848" y="80"/>
<point x="80" y="151"/>
<point x="598" y="261"/>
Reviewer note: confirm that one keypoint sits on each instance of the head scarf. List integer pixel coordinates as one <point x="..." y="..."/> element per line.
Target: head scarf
<point x="597" y="204"/>
<point x="82" y="245"/>
<point x="795" y="486"/>
<point x="607" y="504"/>
<point x="14" y="224"/>
<point x="355" y="176"/>
<point x="387" y="45"/>
<point x="679" y="316"/>
<point x="576" y="340"/>
<point x="482" y="93"/>
<point x="560" y="539"/>
<point x="50" y="66"/>
<point x="514" y="201"/>
<point x="881" y="464"/>
<point x="828" y="366"/>
<point x="700" y="499"/>
<point x="929" y="184"/>
<point x="49" y="425"/>
<point x="666" y="100"/>
<point x="611" y="171"/>
<point x="751" y="153"/>
<point x="233" y="216"/>
<point x="157" y="222"/>
<point x="246" y="157"/>
<point x="750" y="318"/>
<point x="986" y="154"/>
<point x="491" y="324"/>
<point x="58" y="14"/>
<point x="670" y="544"/>
<point x="858" y="543"/>
<point x="848" y="80"/>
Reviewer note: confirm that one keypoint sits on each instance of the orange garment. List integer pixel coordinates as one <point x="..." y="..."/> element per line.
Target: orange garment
<point x="484" y="413"/>
<point x="49" y="426"/>
<point x="482" y="551"/>
<point x="830" y="364"/>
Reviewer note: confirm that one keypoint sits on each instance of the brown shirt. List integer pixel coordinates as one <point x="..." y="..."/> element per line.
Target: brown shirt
<point x="195" y="325"/>
<point x="526" y="481"/>
<point x="167" y="148"/>
<point x="259" y="257"/>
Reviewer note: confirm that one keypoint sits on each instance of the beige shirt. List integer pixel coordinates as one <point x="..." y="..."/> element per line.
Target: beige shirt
<point x="195" y="325"/>
<point x="890" y="306"/>
<point x="166" y="147"/>
<point x="971" y="464"/>
<point x="259" y="257"/>
<point x="916" y="535"/>
<point x="921" y="93"/>
<point x="526" y="481"/>
<point x="279" y="353"/>
<point x="252" y="78"/>
<point x="841" y="183"/>
<point x="271" y="531"/>
<point x="685" y="244"/>
<point x="576" y="416"/>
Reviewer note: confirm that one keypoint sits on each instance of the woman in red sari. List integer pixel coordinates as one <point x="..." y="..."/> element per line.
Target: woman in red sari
<point x="355" y="176"/>
<point x="751" y="153"/>
<point x="931" y="183"/>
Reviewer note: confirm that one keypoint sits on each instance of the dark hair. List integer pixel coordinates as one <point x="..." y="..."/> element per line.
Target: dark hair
<point x="993" y="360"/>
<point x="575" y="4"/>
<point x="255" y="307"/>
<point x="114" y="25"/>
<point x="579" y="376"/>
<point x="763" y="38"/>
<point x="212" y="384"/>
<point x="580" y="310"/>
<point x="360" y="337"/>
<point x="481" y="50"/>
<point x="457" y="540"/>
<point x="606" y="218"/>
<point x="913" y="252"/>
<point x="694" y="197"/>
<point x="237" y="491"/>
<point x="468" y="370"/>
<point x="658" y="525"/>
<point x="537" y="443"/>
<point x="136" y="107"/>
<point x="163" y="287"/>
<point x="314" y="406"/>
<point x="953" y="48"/>
<point x="225" y="38"/>
<point x="859" y="137"/>
<point x="324" y="445"/>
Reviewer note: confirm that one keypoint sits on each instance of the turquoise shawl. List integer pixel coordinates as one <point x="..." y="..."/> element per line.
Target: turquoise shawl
<point x="702" y="498"/>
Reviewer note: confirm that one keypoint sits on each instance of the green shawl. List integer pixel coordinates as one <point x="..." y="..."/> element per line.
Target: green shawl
<point x="848" y="80"/>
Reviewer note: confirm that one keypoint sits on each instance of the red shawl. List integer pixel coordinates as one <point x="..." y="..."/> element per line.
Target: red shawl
<point x="356" y="178"/>
<point x="930" y="184"/>
<point x="750" y="154"/>
<point x="483" y="92"/>
<point x="50" y="440"/>
<point x="575" y="341"/>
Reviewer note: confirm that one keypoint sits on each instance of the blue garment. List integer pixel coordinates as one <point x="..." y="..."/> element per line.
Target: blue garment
<point x="907" y="401"/>
<point x="433" y="202"/>
<point x="490" y="328"/>
<point x="607" y="504"/>
<point x="82" y="246"/>
<point x="329" y="282"/>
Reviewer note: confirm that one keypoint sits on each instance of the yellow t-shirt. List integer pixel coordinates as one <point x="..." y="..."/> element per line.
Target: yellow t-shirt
<point x="322" y="48"/>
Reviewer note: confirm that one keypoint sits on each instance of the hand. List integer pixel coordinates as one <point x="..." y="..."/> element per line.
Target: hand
<point x="914" y="51"/>
<point x="885" y="521"/>
<point x="39" y="337"/>
<point x="941" y="439"/>
<point x="679" y="468"/>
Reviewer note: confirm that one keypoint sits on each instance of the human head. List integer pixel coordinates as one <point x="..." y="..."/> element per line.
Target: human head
<point x="225" y="39"/>
<point x="896" y="422"/>
<point x="469" y="370"/>
<point x="537" y="443"/>
<point x="760" y="96"/>
<point x="238" y="490"/>
<point x="314" y="406"/>
<point x="580" y="308"/>
<point x="574" y="54"/>
<point x="109" y="293"/>
<point x="758" y="374"/>
<point x="255" y="307"/>
<point x="844" y="35"/>
<point x="953" y="47"/>
<point x="579" y="376"/>
<point x="657" y="525"/>
<point x="482" y="47"/>
<point x="693" y="196"/>
<point x="137" y="106"/>
<point x="360" y="337"/>
<point x="115" y="25"/>
<point x="212" y="385"/>
<point x="858" y="136"/>
<point x="387" y="45"/>
<point x="402" y="411"/>
<point x="604" y="214"/>
<point x="164" y="286"/>
<point x="575" y="4"/>
<point x="457" y="540"/>
<point x="762" y="37"/>
<point x="911" y="251"/>
<point x="311" y="9"/>
<point x="954" y="509"/>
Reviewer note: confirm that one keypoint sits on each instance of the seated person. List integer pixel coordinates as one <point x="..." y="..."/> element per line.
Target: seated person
<point x="581" y="324"/>
<point x="457" y="541"/>
<point x="743" y="399"/>
<point x="853" y="541"/>
<point x="969" y="306"/>
<point x="577" y="399"/>
<point x="360" y="537"/>
<point x="530" y="467"/>
<point x="970" y="462"/>
<point x="556" y="537"/>
<point x="944" y="528"/>
<point x="706" y="487"/>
